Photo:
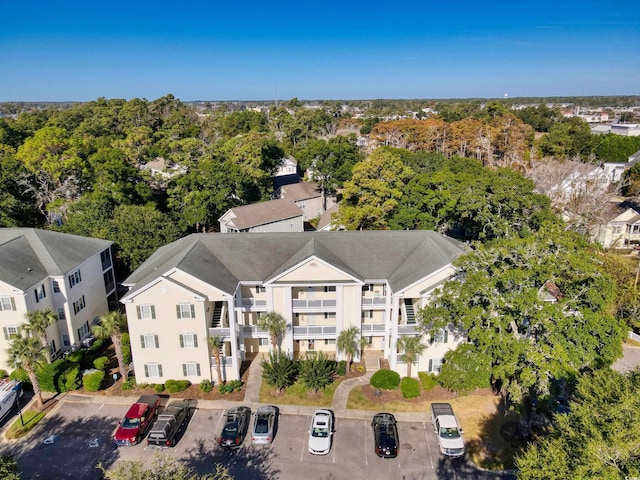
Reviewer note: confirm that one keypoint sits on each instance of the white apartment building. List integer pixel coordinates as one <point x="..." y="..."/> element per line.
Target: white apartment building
<point x="321" y="283"/>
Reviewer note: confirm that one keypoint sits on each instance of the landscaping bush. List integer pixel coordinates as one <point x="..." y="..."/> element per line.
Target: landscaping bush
<point x="409" y="387"/>
<point x="341" y="369"/>
<point x="21" y="375"/>
<point x="98" y="344"/>
<point x="101" y="362"/>
<point x="175" y="386"/>
<point x="126" y="348"/>
<point x="317" y="372"/>
<point x="49" y="376"/>
<point x="159" y="388"/>
<point x="75" y="357"/>
<point x="71" y="379"/>
<point x="280" y="371"/>
<point x="128" y="384"/>
<point x="427" y="380"/>
<point x="92" y="381"/>
<point x="385" y="379"/>
<point x="230" y="386"/>
<point x="206" y="386"/>
<point x="3" y="373"/>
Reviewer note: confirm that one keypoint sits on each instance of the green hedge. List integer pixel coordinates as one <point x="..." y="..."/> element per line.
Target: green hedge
<point x="230" y="386"/>
<point x="175" y="386"/>
<point x="129" y="384"/>
<point x="206" y="386"/>
<point x="75" y="357"/>
<point x="101" y="362"/>
<point x="427" y="380"/>
<point x="59" y="376"/>
<point x="341" y="369"/>
<point x="409" y="387"/>
<point x="385" y="379"/>
<point x="92" y="381"/>
<point x="159" y="388"/>
<point x="126" y="348"/>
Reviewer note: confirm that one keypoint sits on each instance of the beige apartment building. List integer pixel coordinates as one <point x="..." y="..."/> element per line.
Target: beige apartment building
<point x="321" y="283"/>
<point x="70" y="274"/>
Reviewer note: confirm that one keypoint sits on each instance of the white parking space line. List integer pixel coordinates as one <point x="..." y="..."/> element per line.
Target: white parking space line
<point x="302" y="444"/>
<point x="89" y="416"/>
<point x="366" y="460"/>
<point x="426" y="436"/>
<point x="333" y="450"/>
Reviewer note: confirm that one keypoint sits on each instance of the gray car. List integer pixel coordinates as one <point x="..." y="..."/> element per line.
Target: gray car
<point x="264" y="425"/>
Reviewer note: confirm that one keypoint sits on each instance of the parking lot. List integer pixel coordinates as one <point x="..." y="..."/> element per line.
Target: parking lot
<point x="73" y="440"/>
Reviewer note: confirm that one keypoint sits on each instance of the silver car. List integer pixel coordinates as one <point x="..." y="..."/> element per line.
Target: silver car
<point x="264" y="423"/>
<point x="321" y="432"/>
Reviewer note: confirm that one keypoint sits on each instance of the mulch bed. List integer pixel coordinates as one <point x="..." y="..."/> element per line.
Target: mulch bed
<point x="436" y="394"/>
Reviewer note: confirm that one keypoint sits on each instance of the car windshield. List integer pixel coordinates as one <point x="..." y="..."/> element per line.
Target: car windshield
<point x="230" y="429"/>
<point x="131" y="422"/>
<point x="262" y="424"/>
<point x="449" y="432"/>
<point x="320" y="432"/>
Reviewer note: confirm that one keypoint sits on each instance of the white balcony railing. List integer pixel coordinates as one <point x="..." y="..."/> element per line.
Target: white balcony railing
<point x="328" y="303"/>
<point x="369" y="328"/>
<point x="408" y="329"/>
<point x="251" y="303"/>
<point x="254" y="331"/>
<point x="314" y="331"/>
<point x="374" y="301"/>
<point x="220" y="332"/>
<point x="224" y="361"/>
<point x="400" y="360"/>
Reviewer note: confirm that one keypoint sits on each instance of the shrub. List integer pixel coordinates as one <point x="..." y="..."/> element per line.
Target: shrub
<point x="129" y="384"/>
<point x="126" y="348"/>
<point x="3" y="373"/>
<point x="230" y="386"/>
<point x="50" y="375"/>
<point x="21" y="375"/>
<point x="427" y="380"/>
<point x="98" y="344"/>
<point x="385" y="379"/>
<point x="70" y="378"/>
<point x="101" y="362"/>
<point x="75" y="357"/>
<point x="317" y="372"/>
<point x="206" y="386"/>
<point x="175" y="386"/>
<point x="92" y="381"/>
<point x="361" y="368"/>
<point x="158" y="387"/>
<point x="341" y="369"/>
<point x="280" y="371"/>
<point x="409" y="387"/>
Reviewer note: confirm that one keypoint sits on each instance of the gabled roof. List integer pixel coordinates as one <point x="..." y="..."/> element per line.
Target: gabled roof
<point x="261" y="213"/>
<point x="30" y="255"/>
<point x="222" y="260"/>
<point x="300" y="191"/>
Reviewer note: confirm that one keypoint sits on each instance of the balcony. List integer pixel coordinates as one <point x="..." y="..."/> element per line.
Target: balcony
<point x="251" y="303"/>
<point x="314" y="305"/>
<point x="224" y="361"/>
<point x="314" y="331"/>
<point x="410" y="329"/>
<point x="253" y="331"/>
<point x="374" y="302"/>
<point x="224" y="333"/>
<point x="373" y="329"/>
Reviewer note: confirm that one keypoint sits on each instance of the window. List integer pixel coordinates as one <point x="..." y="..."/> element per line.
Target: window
<point x="61" y="314"/>
<point x="105" y="258"/>
<point x="435" y="364"/>
<point x="312" y="344"/>
<point x="329" y="315"/>
<point x="260" y="289"/>
<point x="152" y="370"/>
<point x="188" y="340"/>
<point x="329" y="288"/>
<point x="149" y="340"/>
<point x="11" y="332"/>
<point x="78" y="305"/>
<point x="7" y="303"/>
<point x="74" y="278"/>
<point x="367" y="314"/>
<point x="146" y="312"/>
<point x="52" y="347"/>
<point x="263" y="342"/>
<point x="83" y="331"/>
<point x="441" y="336"/>
<point x="191" y="369"/>
<point x="109" y="283"/>
<point x="65" y="340"/>
<point x="186" y="310"/>
<point x="55" y="286"/>
<point x="40" y="293"/>
<point x="329" y="341"/>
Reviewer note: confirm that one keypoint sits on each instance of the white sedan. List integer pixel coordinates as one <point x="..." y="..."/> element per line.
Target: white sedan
<point x="320" y="432"/>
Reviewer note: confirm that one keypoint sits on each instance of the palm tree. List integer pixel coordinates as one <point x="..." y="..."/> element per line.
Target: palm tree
<point x="273" y="323"/>
<point x="363" y="343"/>
<point x="215" y="344"/>
<point x="29" y="354"/>
<point x="347" y="343"/>
<point x="112" y="325"/>
<point x="37" y="323"/>
<point x="412" y="348"/>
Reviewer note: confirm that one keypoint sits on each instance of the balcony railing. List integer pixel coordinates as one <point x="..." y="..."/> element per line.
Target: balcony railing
<point x="220" y="332"/>
<point x="314" y="304"/>
<point x="254" y="331"/>
<point x="314" y="331"/>
<point x="223" y="361"/>
<point x="374" y="301"/>
<point x="400" y="360"/>
<point x="369" y="328"/>
<point x="251" y="303"/>
<point x="408" y="330"/>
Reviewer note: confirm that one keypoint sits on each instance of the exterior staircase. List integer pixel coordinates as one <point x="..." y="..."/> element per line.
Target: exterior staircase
<point x="411" y="314"/>
<point x="217" y="315"/>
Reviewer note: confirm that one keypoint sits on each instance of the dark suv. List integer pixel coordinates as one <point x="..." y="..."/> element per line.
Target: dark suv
<point x="385" y="435"/>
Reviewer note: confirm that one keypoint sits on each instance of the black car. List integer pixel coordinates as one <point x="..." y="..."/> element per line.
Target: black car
<point x="385" y="435"/>
<point x="235" y="427"/>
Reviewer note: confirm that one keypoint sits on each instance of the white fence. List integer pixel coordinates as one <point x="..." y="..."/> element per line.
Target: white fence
<point x="634" y="337"/>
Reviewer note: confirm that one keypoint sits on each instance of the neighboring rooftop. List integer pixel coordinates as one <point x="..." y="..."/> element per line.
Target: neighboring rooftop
<point x="261" y="213"/>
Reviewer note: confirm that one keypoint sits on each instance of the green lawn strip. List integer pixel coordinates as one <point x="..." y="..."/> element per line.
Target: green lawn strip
<point x="30" y="418"/>
<point x="298" y="394"/>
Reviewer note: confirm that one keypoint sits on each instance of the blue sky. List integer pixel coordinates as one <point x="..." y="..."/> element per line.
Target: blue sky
<point x="60" y="50"/>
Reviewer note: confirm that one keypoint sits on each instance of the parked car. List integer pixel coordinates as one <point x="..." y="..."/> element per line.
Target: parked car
<point x="235" y="427"/>
<point x="321" y="432"/>
<point x="163" y="433"/>
<point x="140" y="416"/>
<point x="447" y="430"/>
<point x="385" y="435"/>
<point x="264" y="424"/>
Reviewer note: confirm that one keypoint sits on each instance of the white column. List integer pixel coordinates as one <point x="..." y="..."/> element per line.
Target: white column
<point x="391" y="336"/>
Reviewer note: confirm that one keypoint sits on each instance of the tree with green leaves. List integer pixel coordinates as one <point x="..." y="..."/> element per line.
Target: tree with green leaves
<point x="276" y="325"/>
<point x="163" y="468"/>
<point x="317" y="371"/>
<point x="215" y="344"/>
<point x="280" y="371"/>
<point x="539" y="307"/>
<point x="27" y="353"/>
<point x="347" y="343"/>
<point x="9" y="467"/>
<point x="465" y="369"/>
<point x="111" y="326"/>
<point x="597" y="438"/>
<point x="411" y="347"/>
<point x="37" y="323"/>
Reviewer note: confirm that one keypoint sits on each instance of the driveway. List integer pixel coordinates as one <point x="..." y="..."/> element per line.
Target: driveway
<point x="630" y="359"/>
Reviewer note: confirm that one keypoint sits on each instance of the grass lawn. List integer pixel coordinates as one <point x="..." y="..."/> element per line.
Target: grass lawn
<point x="298" y="394"/>
<point x="30" y="418"/>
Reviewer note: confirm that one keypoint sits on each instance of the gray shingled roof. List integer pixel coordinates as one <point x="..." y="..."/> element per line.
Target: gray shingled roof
<point x="300" y="191"/>
<point x="29" y="255"/>
<point x="262" y="213"/>
<point x="222" y="260"/>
